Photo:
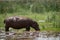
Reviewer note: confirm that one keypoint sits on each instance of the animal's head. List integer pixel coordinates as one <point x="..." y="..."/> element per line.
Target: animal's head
<point x="35" y="25"/>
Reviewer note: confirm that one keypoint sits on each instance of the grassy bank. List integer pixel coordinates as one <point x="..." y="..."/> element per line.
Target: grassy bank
<point x="40" y="18"/>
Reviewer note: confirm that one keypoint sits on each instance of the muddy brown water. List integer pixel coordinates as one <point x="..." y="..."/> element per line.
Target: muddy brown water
<point x="30" y="35"/>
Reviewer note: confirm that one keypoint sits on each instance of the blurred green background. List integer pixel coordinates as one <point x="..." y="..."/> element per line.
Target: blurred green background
<point x="45" y="12"/>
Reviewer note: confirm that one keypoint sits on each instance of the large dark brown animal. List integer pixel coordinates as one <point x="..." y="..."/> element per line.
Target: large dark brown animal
<point x="20" y="22"/>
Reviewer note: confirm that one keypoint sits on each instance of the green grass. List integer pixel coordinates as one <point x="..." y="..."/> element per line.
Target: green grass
<point x="51" y="29"/>
<point x="43" y="25"/>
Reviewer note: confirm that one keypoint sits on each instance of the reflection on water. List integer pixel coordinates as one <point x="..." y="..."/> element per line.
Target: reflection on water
<point x="29" y="36"/>
<point x="49" y="38"/>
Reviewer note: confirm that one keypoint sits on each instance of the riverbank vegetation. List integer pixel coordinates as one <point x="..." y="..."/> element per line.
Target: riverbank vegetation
<point x="45" y="12"/>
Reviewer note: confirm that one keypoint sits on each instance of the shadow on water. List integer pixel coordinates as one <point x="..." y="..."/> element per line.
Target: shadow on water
<point x="30" y="36"/>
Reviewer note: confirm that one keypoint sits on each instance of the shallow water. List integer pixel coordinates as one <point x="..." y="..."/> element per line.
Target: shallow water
<point x="49" y="38"/>
<point x="29" y="36"/>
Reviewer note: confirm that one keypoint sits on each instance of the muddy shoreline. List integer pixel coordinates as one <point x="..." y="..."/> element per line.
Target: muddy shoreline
<point x="28" y="35"/>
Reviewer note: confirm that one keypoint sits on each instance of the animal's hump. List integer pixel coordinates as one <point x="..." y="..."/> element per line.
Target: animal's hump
<point x="17" y="18"/>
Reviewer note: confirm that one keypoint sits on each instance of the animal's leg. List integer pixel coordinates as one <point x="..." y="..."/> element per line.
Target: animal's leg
<point x="6" y="28"/>
<point x="28" y="28"/>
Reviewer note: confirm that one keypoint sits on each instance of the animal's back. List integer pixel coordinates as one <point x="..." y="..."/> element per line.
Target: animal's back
<point x="17" y="21"/>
